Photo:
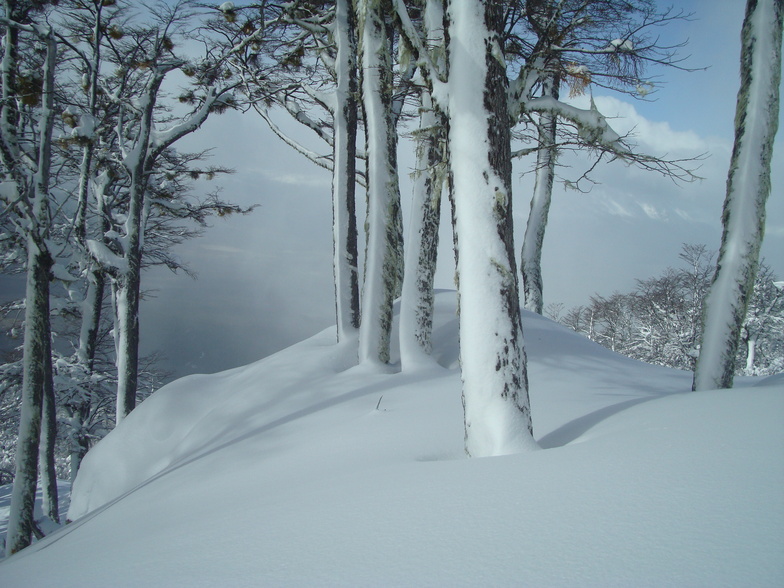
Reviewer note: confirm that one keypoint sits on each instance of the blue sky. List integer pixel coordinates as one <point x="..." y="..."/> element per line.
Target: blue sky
<point x="700" y="101"/>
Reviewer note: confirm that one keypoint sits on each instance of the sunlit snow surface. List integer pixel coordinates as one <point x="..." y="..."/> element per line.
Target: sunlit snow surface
<point x="296" y="472"/>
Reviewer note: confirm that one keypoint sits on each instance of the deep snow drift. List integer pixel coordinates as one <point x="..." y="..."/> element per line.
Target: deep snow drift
<point x="298" y="471"/>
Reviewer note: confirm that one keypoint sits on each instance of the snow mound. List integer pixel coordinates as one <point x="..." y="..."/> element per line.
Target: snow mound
<point x="297" y="471"/>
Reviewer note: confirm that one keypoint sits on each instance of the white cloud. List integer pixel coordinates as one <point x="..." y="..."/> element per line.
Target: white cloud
<point x="298" y="179"/>
<point x="222" y="248"/>
<point x="653" y="137"/>
<point x="658" y="137"/>
<point x="615" y="208"/>
<point x="652" y="212"/>
<point x="683" y="215"/>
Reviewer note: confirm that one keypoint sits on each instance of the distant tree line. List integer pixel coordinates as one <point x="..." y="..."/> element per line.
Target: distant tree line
<point x="660" y="321"/>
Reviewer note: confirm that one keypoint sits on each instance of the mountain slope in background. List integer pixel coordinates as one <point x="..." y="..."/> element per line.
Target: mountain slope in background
<point x="297" y="471"/>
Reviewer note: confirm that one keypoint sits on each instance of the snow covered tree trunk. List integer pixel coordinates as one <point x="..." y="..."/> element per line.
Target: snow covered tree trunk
<point x="495" y="383"/>
<point x="127" y="313"/>
<point x="127" y="345"/>
<point x="92" y="310"/>
<point x="147" y="146"/>
<point x="80" y="441"/>
<point x="751" y="352"/>
<point x="383" y="258"/>
<point x="9" y="114"/>
<point x="37" y="332"/>
<point x="48" y="409"/>
<point x="92" y="307"/>
<point x="127" y="293"/>
<point x="46" y="451"/>
<point x="748" y="186"/>
<point x="531" y="257"/>
<point x="416" y="304"/>
<point x="344" y="173"/>
<point x="92" y="304"/>
<point x="128" y="282"/>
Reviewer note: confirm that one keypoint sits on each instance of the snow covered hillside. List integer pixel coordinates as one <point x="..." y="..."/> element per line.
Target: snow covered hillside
<point x="295" y="471"/>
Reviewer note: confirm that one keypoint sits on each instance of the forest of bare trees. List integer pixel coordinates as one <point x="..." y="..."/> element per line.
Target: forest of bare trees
<point x="660" y="321"/>
<point x="96" y="95"/>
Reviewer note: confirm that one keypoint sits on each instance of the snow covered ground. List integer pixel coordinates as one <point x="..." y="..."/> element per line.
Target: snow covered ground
<point x="295" y="471"/>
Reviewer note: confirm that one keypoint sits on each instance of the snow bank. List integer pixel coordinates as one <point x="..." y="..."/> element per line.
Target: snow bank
<point x="292" y="472"/>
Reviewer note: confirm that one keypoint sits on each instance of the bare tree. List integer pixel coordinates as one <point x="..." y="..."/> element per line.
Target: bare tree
<point x="384" y="238"/>
<point x="25" y="151"/>
<point x="144" y="58"/>
<point x="580" y="44"/>
<point x="430" y="179"/>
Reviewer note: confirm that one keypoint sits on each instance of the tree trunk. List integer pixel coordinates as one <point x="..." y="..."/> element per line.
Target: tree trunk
<point x="80" y="440"/>
<point x="36" y="334"/>
<point x="383" y="258"/>
<point x="92" y="310"/>
<point x="46" y="451"/>
<point x="127" y="287"/>
<point x="531" y="257"/>
<point x="344" y="174"/>
<point x="127" y="344"/>
<point x="49" y="410"/>
<point x="495" y="384"/>
<point x="92" y="305"/>
<point x="416" y="304"/>
<point x="748" y="187"/>
<point x="751" y="353"/>
<point x="37" y="367"/>
<point x="127" y="292"/>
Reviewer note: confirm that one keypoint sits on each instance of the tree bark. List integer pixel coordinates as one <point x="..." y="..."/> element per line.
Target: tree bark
<point x="344" y="174"/>
<point x="37" y="368"/>
<point x="383" y="258"/>
<point x="127" y="286"/>
<point x="531" y="256"/>
<point x="46" y="452"/>
<point x="748" y="187"/>
<point x="417" y="301"/>
<point x="21" y="521"/>
<point x="495" y="383"/>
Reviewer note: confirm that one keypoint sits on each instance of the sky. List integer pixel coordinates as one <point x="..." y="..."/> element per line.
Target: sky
<point x="265" y="279"/>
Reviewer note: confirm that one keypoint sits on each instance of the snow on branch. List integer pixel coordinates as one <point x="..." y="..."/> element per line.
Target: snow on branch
<point x="107" y="258"/>
<point x="320" y="160"/>
<point x="317" y="24"/>
<point x="430" y="68"/>
<point x="591" y="125"/>
<point x="583" y="128"/>
<point x="42" y="31"/>
<point x="303" y="118"/>
<point x="160" y="140"/>
<point x="325" y="100"/>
